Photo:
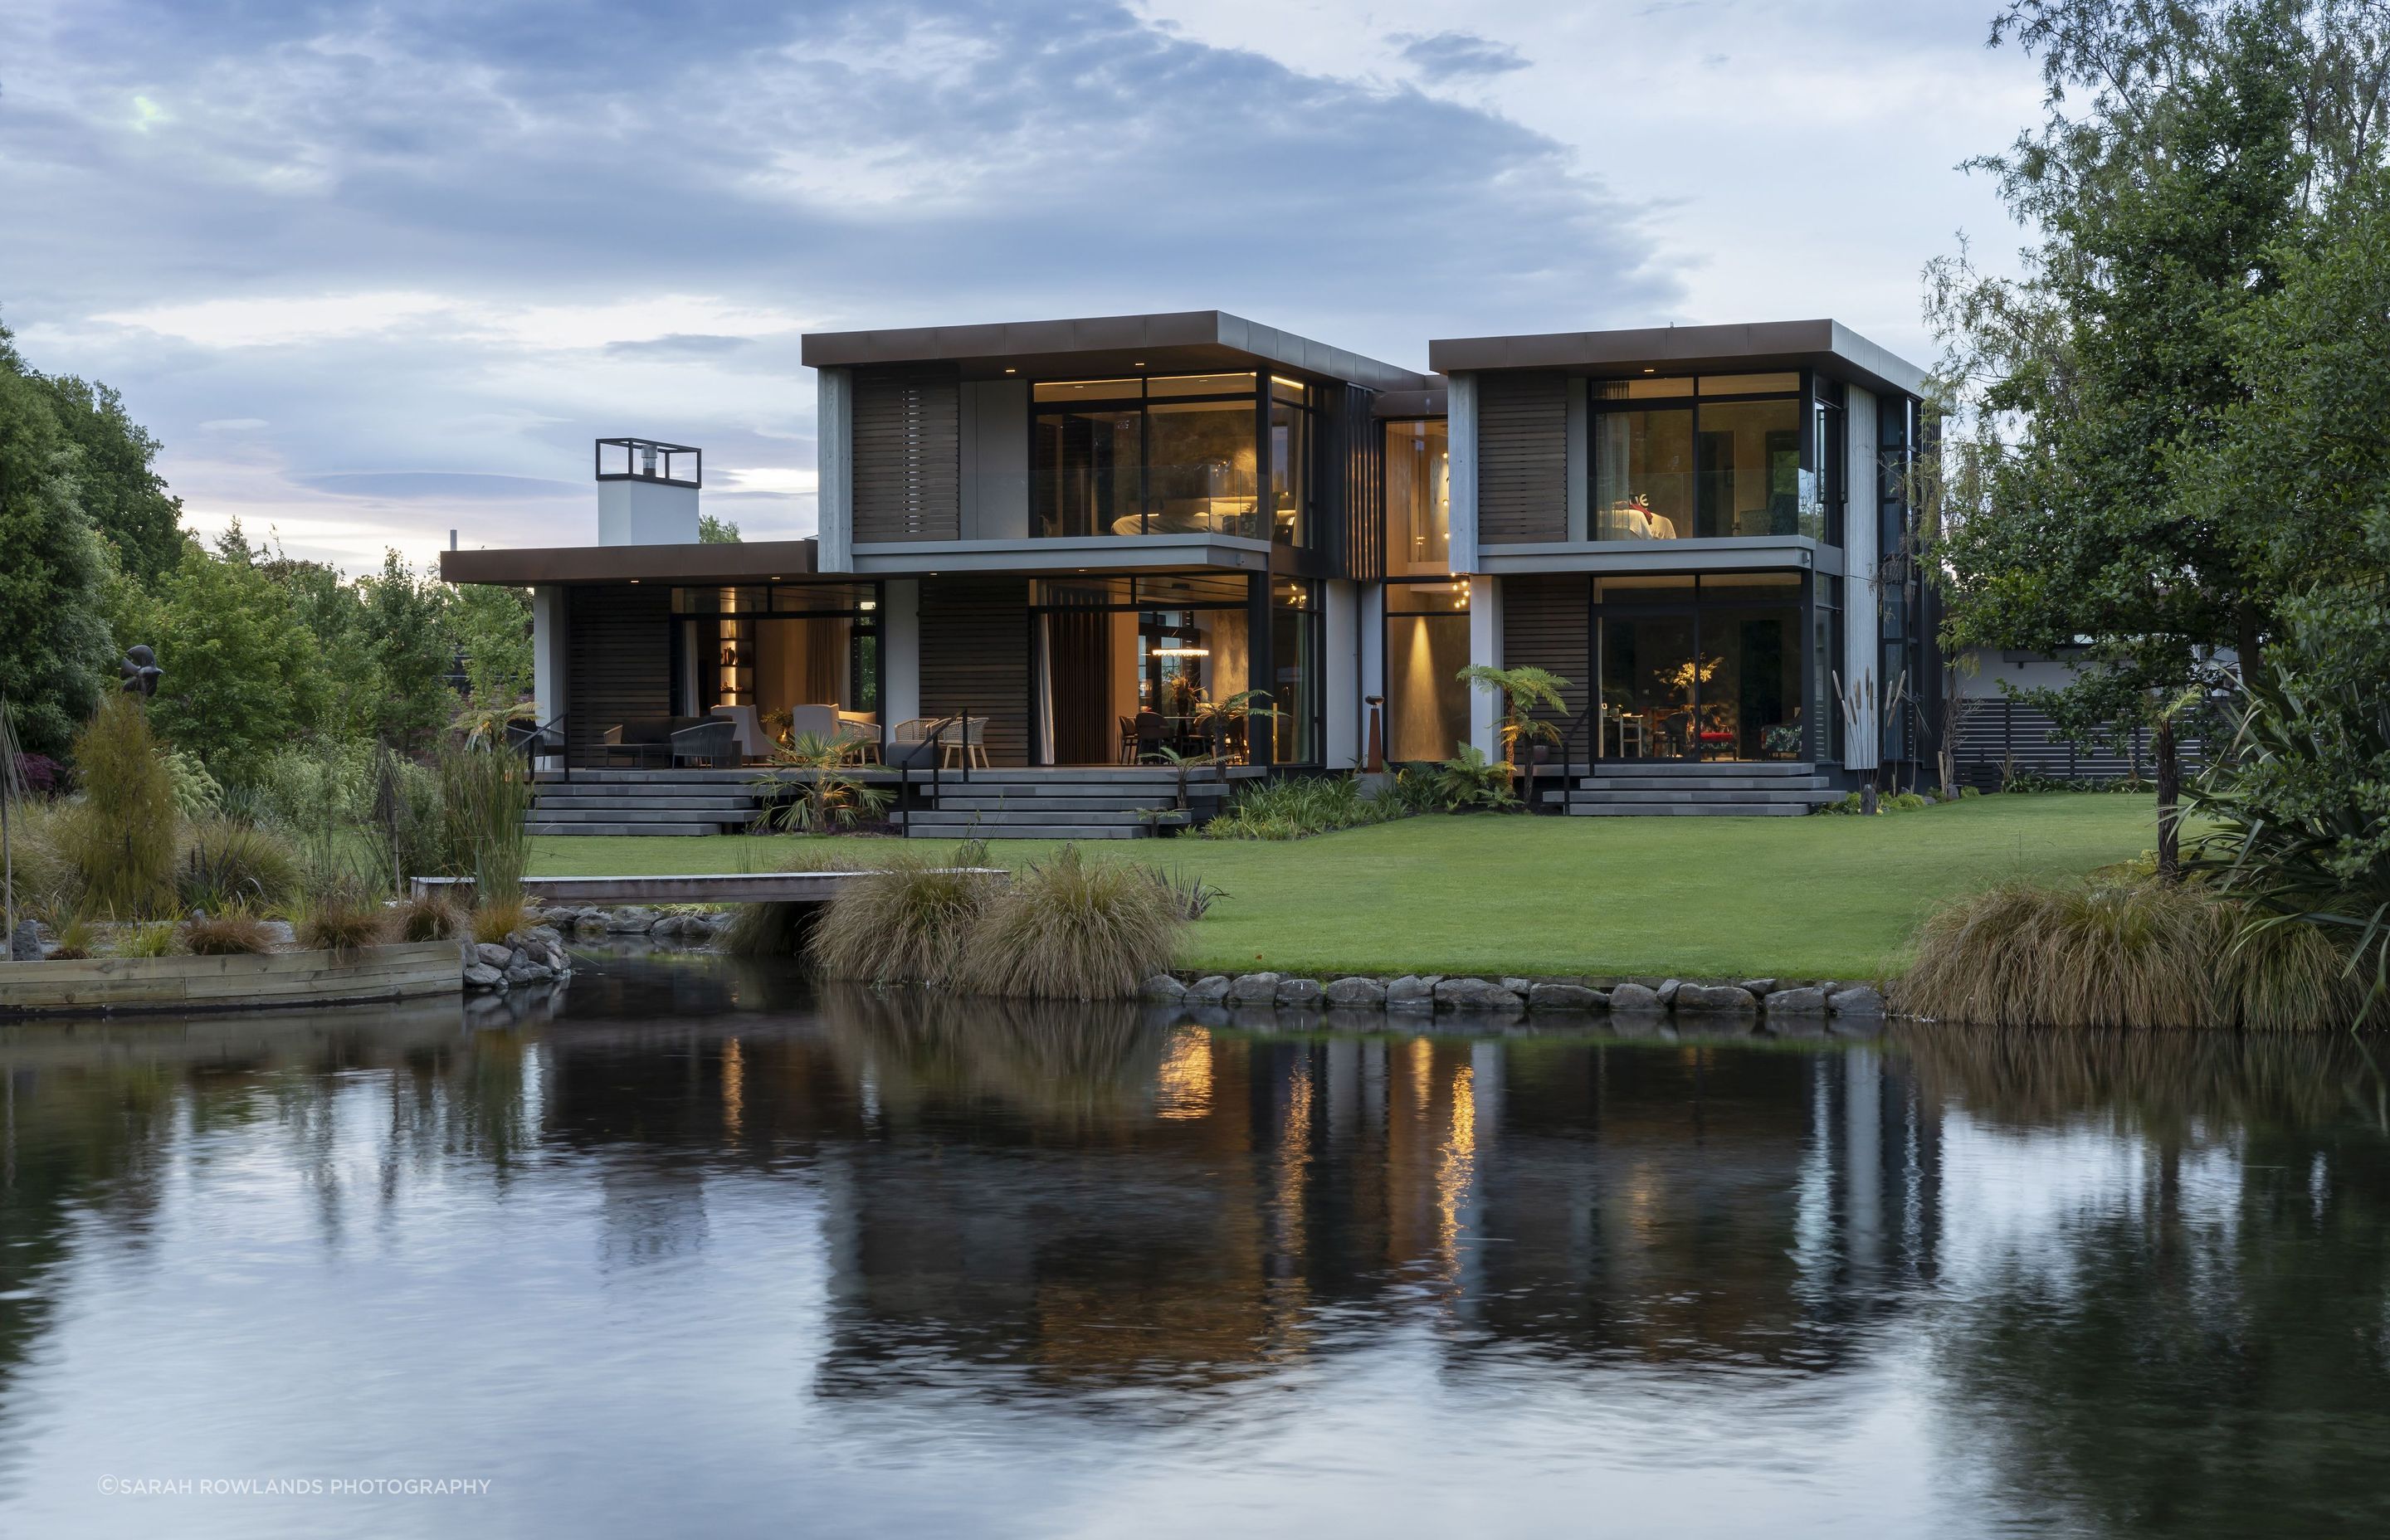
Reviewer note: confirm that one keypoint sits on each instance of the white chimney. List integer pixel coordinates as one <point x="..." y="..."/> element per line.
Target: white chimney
<point x="647" y="492"/>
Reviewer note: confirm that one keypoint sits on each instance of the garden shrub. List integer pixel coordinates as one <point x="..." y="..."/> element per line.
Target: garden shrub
<point x="120" y="837"/>
<point x="1070" y="928"/>
<point x="226" y="863"/>
<point x="907" y="922"/>
<point x="233" y="933"/>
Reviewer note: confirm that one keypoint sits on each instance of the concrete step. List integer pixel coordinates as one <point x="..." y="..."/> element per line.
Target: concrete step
<point x="1703" y="783"/>
<point x="965" y="829"/>
<point x="1703" y="767"/>
<point x="537" y="826"/>
<point x="978" y="804"/>
<point x="617" y="800"/>
<point x="1149" y="791"/>
<point x="1126" y="816"/>
<point x="703" y="817"/>
<point x="1663" y="799"/>
<point x="1698" y="810"/>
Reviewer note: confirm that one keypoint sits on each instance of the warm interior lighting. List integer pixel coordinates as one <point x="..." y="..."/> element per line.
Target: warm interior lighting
<point x="1179" y="651"/>
<point x="1011" y="370"/>
<point x="871" y="604"/>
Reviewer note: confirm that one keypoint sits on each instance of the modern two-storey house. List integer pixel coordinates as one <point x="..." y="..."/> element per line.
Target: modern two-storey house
<point x="1080" y="544"/>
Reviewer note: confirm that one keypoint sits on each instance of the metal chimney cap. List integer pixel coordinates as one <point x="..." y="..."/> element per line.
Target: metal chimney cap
<point x="651" y="460"/>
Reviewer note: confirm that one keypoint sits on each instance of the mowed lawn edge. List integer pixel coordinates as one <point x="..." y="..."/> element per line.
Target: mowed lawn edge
<point x="1818" y="897"/>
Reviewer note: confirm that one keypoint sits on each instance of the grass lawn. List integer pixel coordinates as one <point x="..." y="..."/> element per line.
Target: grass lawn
<point x="1795" y="897"/>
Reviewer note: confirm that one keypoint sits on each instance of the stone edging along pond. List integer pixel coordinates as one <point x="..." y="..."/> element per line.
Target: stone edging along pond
<point x="1433" y="994"/>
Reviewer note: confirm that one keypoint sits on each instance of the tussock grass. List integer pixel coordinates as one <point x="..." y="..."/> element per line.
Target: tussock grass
<point x="497" y="919"/>
<point x="910" y="922"/>
<point x="76" y="936"/>
<point x="225" y="863"/>
<point x="428" y="918"/>
<point x="338" y="917"/>
<point x="1070" y="929"/>
<point x="484" y="795"/>
<point x="236" y="932"/>
<point x="2122" y="954"/>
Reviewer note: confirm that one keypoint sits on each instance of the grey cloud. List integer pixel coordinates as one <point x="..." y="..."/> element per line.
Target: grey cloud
<point x="1447" y="55"/>
<point x="463" y="485"/>
<point x="680" y="344"/>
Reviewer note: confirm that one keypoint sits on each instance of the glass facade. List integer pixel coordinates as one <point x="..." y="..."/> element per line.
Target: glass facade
<point x="1123" y="668"/>
<point x="1173" y="455"/>
<point x="1294" y="666"/>
<point x="1701" y="459"/>
<point x="1427" y="645"/>
<point x="793" y="657"/>
<point x="1706" y="668"/>
<point x="1419" y="496"/>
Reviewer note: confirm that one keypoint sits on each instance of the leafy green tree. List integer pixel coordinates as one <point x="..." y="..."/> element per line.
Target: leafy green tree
<point x="124" y="496"/>
<point x="402" y="623"/>
<point x="491" y="625"/>
<point x="241" y="674"/>
<point x="332" y="611"/>
<point x="716" y="532"/>
<point x="54" y="648"/>
<point x="2161" y="212"/>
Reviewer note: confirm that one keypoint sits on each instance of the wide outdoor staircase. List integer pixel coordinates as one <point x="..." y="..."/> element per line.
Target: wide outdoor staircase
<point x="1642" y="789"/>
<point x="1096" y="802"/>
<point x="639" y="801"/>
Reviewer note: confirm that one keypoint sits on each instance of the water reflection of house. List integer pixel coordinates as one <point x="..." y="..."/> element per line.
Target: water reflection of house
<point x="1299" y="1197"/>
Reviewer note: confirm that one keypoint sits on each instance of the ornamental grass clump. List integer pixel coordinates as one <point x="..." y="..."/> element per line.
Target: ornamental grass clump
<point x="225" y="863"/>
<point x="2123" y="955"/>
<point x="236" y="932"/>
<point x="341" y="914"/>
<point x="485" y="794"/>
<point x="1070" y="928"/>
<point x="429" y="918"/>
<point x="909" y="922"/>
<point x="120" y="838"/>
<point x="155" y="939"/>
<point x="493" y="922"/>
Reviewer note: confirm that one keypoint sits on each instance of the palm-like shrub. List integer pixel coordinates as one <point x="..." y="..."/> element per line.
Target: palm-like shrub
<point x="1070" y="928"/>
<point x="2299" y="821"/>
<point x="1470" y="780"/>
<point x="824" y="795"/>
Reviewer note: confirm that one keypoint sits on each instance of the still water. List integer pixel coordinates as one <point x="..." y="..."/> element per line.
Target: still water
<point x="695" y="1252"/>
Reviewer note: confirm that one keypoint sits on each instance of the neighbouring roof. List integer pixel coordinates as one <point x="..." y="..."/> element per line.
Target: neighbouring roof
<point x="1177" y="341"/>
<point x="1827" y="345"/>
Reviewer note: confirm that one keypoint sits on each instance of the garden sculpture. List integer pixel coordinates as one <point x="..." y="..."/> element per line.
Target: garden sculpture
<point x="141" y="672"/>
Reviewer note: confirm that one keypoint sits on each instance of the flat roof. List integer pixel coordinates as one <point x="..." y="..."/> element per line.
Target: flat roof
<point x="1186" y="342"/>
<point x="521" y="567"/>
<point x="1822" y="345"/>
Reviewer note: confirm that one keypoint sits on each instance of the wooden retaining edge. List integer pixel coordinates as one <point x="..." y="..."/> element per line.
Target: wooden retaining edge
<point x="710" y="888"/>
<point x="401" y="971"/>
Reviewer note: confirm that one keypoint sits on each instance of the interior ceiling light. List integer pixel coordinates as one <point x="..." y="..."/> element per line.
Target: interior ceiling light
<point x="1180" y="652"/>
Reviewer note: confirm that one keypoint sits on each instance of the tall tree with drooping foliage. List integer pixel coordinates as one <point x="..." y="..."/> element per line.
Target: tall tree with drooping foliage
<point x="55" y="649"/>
<point x="2185" y="146"/>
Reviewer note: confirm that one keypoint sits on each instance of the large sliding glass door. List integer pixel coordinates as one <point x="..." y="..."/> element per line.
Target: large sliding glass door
<point x="1708" y="673"/>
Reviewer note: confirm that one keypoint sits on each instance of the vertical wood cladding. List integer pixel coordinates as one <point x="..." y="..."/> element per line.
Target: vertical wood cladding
<point x="975" y="654"/>
<point x="1353" y="496"/>
<point x="909" y="452"/>
<point x="1547" y="622"/>
<point x="1522" y="456"/>
<point x="618" y="660"/>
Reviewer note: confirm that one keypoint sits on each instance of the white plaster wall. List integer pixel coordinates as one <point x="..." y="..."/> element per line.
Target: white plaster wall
<point x="1484" y="648"/>
<point x="1863" y="741"/>
<point x="1340" y="681"/>
<point x="834" y="470"/>
<point x="900" y="650"/>
<point x="1372" y="622"/>
<point x="1461" y="397"/>
<point x="547" y="683"/>
<point x="646" y="513"/>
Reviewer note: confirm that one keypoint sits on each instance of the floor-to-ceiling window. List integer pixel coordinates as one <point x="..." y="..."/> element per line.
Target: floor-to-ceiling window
<point x="1173" y="455"/>
<point x="1427" y="645"/>
<point x="1294" y="667"/>
<point x="1703" y="668"/>
<point x="787" y="659"/>
<point x="1419" y="496"/>
<point x="1697" y="458"/>
<point x="1124" y="668"/>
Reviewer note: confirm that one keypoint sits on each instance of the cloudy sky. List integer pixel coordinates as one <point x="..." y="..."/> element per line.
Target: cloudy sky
<point x="374" y="272"/>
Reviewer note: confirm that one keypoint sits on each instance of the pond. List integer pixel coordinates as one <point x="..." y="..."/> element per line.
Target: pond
<point x="694" y="1251"/>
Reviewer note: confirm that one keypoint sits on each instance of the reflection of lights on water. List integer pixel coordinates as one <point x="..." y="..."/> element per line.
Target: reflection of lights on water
<point x="734" y="1087"/>
<point x="1457" y="1161"/>
<point x="1422" y="1060"/>
<point x="1182" y="1087"/>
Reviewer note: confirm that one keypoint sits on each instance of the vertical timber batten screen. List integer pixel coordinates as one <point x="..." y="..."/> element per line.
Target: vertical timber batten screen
<point x="618" y="661"/>
<point x="975" y="655"/>
<point x="1522" y="457"/>
<point x="907" y="463"/>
